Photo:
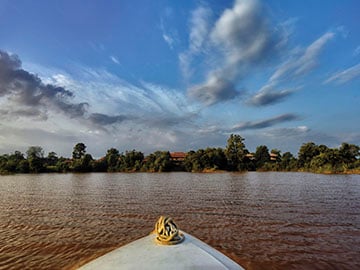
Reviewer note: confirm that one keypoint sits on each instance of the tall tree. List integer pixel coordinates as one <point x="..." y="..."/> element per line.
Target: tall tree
<point x="52" y="159"/>
<point x="35" y="152"/>
<point x="79" y="151"/>
<point x="288" y="162"/>
<point x="306" y="153"/>
<point x="349" y="152"/>
<point x="112" y="159"/>
<point x="235" y="152"/>
<point x="35" y="157"/>
<point x="261" y="156"/>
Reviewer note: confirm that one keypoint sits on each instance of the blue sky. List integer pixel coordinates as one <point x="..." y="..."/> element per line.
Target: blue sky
<point x="178" y="75"/>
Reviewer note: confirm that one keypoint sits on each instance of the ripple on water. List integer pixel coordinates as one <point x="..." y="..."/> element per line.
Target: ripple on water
<point x="261" y="220"/>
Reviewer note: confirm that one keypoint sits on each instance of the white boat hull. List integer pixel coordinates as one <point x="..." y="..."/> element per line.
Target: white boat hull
<point x="145" y="253"/>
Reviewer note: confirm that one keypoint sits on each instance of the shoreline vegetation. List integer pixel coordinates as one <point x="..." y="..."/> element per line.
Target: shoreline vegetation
<point x="234" y="158"/>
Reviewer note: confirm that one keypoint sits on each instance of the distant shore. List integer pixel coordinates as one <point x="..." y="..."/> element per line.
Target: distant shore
<point x="235" y="157"/>
<point x="205" y="171"/>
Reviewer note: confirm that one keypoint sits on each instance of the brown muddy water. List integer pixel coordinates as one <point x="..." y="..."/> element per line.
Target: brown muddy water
<point x="261" y="220"/>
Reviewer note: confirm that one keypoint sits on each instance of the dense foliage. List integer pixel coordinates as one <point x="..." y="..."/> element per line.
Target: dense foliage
<point x="235" y="157"/>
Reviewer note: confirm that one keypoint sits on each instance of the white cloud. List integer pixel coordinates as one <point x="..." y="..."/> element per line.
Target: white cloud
<point x="168" y="36"/>
<point x="199" y="30"/>
<point x="169" y="40"/>
<point x="309" y="58"/>
<point x="304" y="62"/>
<point x="243" y="32"/>
<point x="345" y="75"/>
<point x="118" y="95"/>
<point x="286" y="29"/>
<point x="114" y="59"/>
<point x="243" y="37"/>
<point x="357" y="51"/>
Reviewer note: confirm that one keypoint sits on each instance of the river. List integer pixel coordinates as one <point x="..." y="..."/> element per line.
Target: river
<point x="260" y="220"/>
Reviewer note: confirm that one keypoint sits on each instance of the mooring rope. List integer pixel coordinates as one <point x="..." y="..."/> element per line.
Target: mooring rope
<point x="167" y="232"/>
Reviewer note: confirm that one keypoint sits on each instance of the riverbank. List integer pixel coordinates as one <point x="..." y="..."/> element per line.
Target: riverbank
<point x="205" y="171"/>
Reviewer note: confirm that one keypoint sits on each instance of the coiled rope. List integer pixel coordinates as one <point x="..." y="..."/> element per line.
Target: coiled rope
<point x="167" y="232"/>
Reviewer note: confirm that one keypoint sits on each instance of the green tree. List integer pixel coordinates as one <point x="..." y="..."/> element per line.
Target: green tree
<point x="14" y="163"/>
<point x="349" y="153"/>
<point x="217" y="158"/>
<point x="131" y="161"/>
<point x="3" y="163"/>
<point x="99" y="165"/>
<point x="159" y="161"/>
<point x="35" y="152"/>
<point x="189" y="161"/>
<point x="83" y="164"/>
<point x="50" y="162"/>
<point x="79" y="151"/>
<point x="210" y="158"/>
<point x="35" y="157"/>
<point x="235" y="152"/>
<point x="288" y="162"/>
<point x="23" y="166"/>
<point x="306" y="153"/>
<point x="112" y="159"/>
<point x="261" y="156"/>
<point x="63" y="165"/>
<point x="52" y="159"/>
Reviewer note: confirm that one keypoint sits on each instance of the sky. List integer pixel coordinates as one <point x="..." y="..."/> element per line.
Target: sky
<point x="178" y="75"/>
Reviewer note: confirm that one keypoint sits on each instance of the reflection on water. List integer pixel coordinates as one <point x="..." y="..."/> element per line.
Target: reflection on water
<point x="261" y="220"/>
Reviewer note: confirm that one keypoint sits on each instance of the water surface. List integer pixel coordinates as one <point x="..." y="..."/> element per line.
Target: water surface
<point x="261" y="220"/>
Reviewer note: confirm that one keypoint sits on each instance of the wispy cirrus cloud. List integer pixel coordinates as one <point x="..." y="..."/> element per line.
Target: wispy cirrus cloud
<point x="168" y="39"/>
<point x="302" y="62"/>
<point x="344" y="76"/>
<point x="144" y="104"/>
<point x="168" y="36"/>
<point x="357" y="51"/>
<point x="114" y="59"/>
<point x="199" y="31"/>
<point x="265" y="123"/>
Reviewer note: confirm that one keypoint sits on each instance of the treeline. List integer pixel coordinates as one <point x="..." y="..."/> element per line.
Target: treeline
<point x="235" y="157"/>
